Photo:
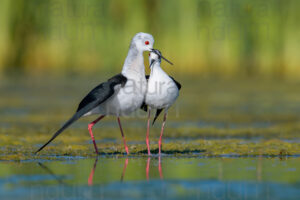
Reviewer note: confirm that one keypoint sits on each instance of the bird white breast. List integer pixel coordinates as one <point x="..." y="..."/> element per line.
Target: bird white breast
<point x="126" y="99"/>
<point x="161" y="91"/>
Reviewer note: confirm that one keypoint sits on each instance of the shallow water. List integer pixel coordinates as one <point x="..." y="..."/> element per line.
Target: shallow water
<point x="152" y="178"/>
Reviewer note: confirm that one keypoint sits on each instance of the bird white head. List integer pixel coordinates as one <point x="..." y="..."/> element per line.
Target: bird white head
<point x="142" y="42"/>
<point x="156" y="56"/>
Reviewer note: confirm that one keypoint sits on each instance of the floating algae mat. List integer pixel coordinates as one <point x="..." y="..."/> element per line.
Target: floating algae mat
<point x="152" y="178"/>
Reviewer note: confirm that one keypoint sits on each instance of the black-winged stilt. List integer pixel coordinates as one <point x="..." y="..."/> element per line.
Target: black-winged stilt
<point x="162" y="92"/>
<point x="121" y="94"/>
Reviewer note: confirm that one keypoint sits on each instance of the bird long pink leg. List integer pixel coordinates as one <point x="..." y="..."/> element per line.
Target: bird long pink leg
<point x="161" y="133"/>
<point x="90" y="127"/>
<point x="124" y="140"/>
<point x="147" y="134"/>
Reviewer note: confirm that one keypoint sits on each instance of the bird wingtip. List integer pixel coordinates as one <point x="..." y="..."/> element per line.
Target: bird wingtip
<point x="36" y="152"/>
<point x="153" y="121"/>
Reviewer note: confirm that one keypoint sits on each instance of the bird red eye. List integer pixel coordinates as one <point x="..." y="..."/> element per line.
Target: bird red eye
<point x="147" y="42"/>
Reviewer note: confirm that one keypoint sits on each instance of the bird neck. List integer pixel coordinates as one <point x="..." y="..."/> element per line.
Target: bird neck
<point x="156" y="68"/>
<point x="134" y="63"/>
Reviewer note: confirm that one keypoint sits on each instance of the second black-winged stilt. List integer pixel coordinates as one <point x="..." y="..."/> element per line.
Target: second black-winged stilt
<point x="162" y="92"/>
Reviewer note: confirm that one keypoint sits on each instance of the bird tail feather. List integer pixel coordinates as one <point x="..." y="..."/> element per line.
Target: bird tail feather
<point x="75" y="117"/>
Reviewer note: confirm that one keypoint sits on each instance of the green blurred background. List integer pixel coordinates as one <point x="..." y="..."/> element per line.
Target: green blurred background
<point x="213" y="38"/>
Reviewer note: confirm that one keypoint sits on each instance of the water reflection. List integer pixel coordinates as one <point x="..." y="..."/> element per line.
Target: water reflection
<point x="91" y="175"/>
<point x="159" y="168"/>
<point x="51" y="173"/>
<point x="124" y="169"/>
<point x="147" y="168"/>
<point x="152" y="178"/>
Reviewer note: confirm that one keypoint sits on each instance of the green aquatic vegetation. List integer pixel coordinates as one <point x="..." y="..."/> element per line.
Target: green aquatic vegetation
<point x="207" y="148"/>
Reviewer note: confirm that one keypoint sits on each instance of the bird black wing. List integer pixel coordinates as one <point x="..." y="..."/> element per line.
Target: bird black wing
<point x="102" y="92"/>
<point x="158" y="111"/>
<point x="176" y="82"/>
<point x="94" y="98"/>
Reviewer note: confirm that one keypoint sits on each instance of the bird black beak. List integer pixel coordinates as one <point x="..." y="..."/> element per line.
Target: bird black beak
<point x="159" y="54"/>
<point x="166" y="60"/>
